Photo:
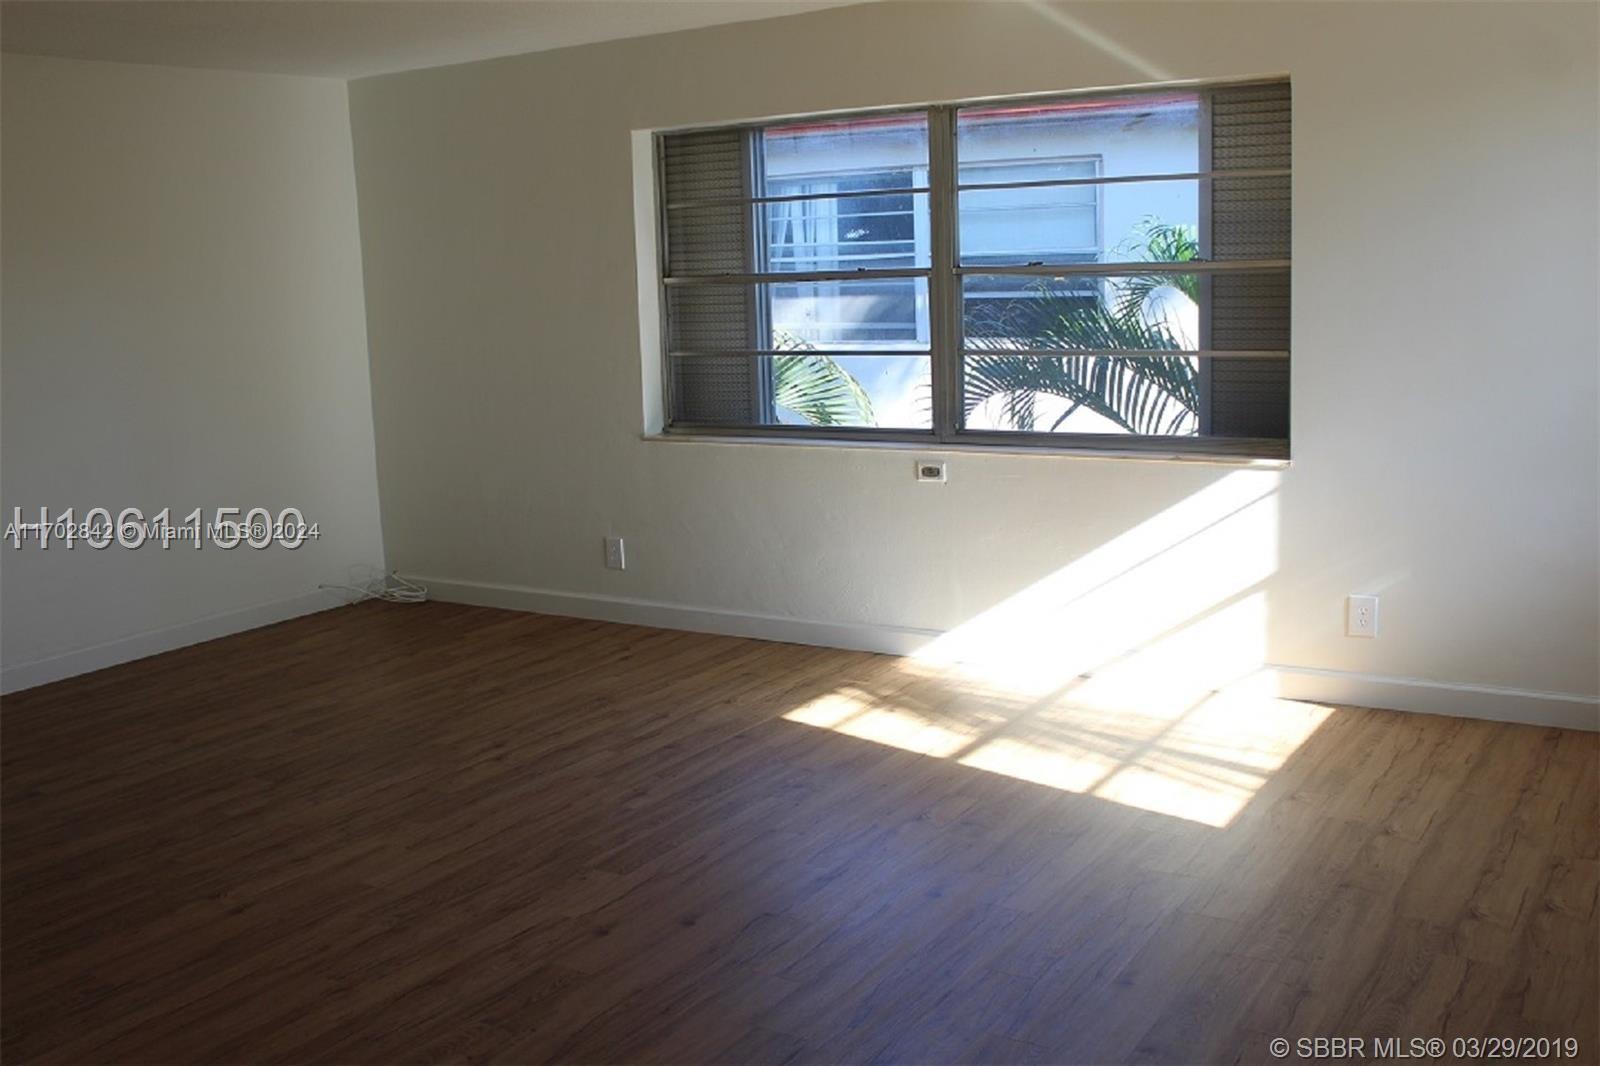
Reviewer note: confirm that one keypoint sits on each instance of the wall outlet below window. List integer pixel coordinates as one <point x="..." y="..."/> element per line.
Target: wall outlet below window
<point x="615" y="559"/>
<point x="1361" y="616"/>
<point x="932" y="470"/>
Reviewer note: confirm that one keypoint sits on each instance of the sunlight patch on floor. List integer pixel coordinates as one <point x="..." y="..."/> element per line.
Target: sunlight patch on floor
<point x="1203" y="766"/>
<point x="1202" y="763"/>
<point x="853" y="713"/>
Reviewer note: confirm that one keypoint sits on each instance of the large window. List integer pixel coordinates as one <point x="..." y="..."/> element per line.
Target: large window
<point x="1097" y="271"/>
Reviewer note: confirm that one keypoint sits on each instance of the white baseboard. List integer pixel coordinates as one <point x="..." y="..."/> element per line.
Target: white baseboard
<point x="1291" y="682"/>
<point x="1311" y="684"/>
<point x="886" y="639"/>
<point x="1525" y="706"/>
<point x="99" y="656"/>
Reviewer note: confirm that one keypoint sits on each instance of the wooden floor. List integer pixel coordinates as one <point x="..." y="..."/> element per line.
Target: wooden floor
<point x="393" y="834"/>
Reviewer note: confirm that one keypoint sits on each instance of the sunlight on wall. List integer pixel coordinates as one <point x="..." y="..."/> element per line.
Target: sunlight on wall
<point x="1093" y="37"/>
<point x="1158" y="578"/>
<point x="1128" y="674"/>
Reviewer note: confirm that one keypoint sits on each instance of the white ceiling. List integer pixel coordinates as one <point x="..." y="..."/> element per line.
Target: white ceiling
<point x="349" y="38"/>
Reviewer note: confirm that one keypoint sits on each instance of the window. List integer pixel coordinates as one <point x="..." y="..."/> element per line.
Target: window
<point x="1096" y="271"/>
<point x="817" y="225"/>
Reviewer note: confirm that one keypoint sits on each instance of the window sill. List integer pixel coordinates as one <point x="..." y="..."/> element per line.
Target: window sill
<point x="1148" y="454"/>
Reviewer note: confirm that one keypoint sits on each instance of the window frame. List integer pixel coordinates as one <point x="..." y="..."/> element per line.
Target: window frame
<point x="944" y="275"/>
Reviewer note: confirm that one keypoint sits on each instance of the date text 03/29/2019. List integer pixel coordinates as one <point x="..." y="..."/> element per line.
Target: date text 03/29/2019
<point x="1399" y="1048"/>
<point x="101" y="527"/>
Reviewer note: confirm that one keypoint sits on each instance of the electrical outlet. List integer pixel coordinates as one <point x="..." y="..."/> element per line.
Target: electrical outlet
<point x="1361" y="616"/>
<point x="932" y="470"/>
<point x="615" y="559"/>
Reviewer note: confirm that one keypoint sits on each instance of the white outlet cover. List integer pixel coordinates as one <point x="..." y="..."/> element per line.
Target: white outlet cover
<point x="1361" y="616"/>
<point x="933" y="470"/>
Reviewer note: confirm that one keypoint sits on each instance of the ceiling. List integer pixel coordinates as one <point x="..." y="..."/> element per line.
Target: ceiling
<point x="349" y="38"/>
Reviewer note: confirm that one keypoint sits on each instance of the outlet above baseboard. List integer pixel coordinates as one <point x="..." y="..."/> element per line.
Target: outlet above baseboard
<point x="1360" y="616"/>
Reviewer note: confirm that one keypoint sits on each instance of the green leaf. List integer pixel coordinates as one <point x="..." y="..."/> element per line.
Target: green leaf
<point x="820" y="391"/>
<point x="1145" y="395"/>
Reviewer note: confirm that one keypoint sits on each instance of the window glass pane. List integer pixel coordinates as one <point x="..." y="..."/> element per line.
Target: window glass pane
<point x="1083" y="311"/>
<point x="878" y="314"/>
<point x="804" y="389"/>
<point x="1140" y="221"/>
<point x="893" y="148"/>
<point x="890" y="313"/>
<point x="872" y="232"/>
<point x="1144" y="133"/>
<point x="885" y="391"/>
<point x="1014" y="170"/>
<point x="1146" y="396"/>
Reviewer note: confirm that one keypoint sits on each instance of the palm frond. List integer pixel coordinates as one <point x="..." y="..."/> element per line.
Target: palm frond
<point x="1160" y="242"/>
<point x="820" y="391"/>
<point x="1145" y="395"/>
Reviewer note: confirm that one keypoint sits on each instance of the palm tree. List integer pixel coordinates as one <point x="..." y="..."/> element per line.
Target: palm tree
<point x="1146" y="394"/>
<point x="819" y="390"/>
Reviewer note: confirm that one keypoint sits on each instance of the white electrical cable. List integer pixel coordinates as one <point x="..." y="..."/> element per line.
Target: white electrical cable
<point x="390" y="588"/>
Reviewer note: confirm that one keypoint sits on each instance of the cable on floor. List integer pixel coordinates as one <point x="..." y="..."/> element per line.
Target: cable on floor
<point x="390" y="588"/>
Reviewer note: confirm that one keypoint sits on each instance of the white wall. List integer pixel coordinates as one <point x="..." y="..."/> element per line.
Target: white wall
<point x="183" y="328"/>
<point x="1445" y="382"/>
